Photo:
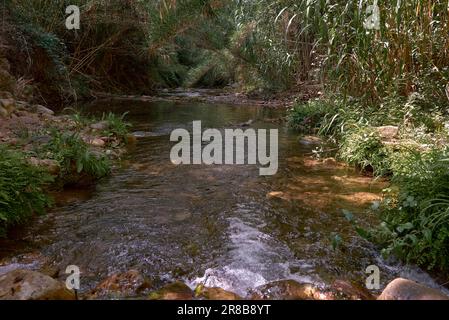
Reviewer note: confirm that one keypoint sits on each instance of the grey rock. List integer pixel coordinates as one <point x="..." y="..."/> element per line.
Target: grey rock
<point x="43" y="110"/>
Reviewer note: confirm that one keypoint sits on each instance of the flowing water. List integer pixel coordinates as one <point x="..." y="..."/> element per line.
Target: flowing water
<point x="220" y="225"/>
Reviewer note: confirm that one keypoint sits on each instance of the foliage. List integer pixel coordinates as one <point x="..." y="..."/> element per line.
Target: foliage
<point x="73" y="155"/>
<point x="363" y="148"/>
<point x="116" y="126"/>
<point x="309" y="117"/>
<point x="416" y="217"/>
<point x="21" y="189"/>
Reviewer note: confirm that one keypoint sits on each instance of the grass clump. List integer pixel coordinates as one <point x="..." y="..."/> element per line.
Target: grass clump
<point x="363" y="148"/>
<point x="74" y="156"/>
<point x="116" y="127"/>
<point x="21" y="189"/>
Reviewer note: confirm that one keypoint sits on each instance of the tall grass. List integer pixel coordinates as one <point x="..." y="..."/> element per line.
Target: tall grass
<point x="21" y="189"/>
<point x="327" y="40"/>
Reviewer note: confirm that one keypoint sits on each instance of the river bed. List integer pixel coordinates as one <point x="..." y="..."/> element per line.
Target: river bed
<point x="220" y="225"/>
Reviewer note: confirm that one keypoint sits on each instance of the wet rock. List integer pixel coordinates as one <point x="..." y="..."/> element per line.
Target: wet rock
<point x="32" y="285"/>
<point x="52" y="166"/>
<point x="102" y="125"/>
<point x="129" y="284"/>
<point x="215" y="294"/>
<point x="310" y="140"/>
<point x="350" y="291"/>
<point x="388" y="132"/>
<point x="173" y="291"/>
<point x="43" y="110"/>
<point x="403" y="289"/>
<point x="287" y="290"/>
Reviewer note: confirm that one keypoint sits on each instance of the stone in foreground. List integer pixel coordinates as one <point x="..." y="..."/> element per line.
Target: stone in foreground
<point x="403" y="289"/>
<point x="32" y="285"/>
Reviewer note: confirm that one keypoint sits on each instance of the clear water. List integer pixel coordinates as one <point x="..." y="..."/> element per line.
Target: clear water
<point x="211" y="224"/>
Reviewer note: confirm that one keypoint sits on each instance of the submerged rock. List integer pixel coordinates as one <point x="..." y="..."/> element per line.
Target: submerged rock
<point x="288" y="290"/>
<point x="350" y="291"/>
<point x="129" y="284"/>
<point x="215" y="294"/>
<point x="173" y="291"/>
<point x="32" y="285"/>
<point x="310" y="140"/>
<point x="403" y="289"/>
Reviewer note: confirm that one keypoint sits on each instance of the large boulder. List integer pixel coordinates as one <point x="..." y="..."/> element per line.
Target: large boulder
<point x="287" y="290"/>
<point x="31" y="285"/>
<point x="403" y="289"/>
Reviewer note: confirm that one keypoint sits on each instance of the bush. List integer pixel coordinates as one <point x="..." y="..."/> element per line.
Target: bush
<point x="416" y="217"/>
<point x="74" y="156"/>
<point x="21" y="189"/>
<point x="363" y="148"/>
<point x="308" y="117"/>
<point x="117" y="127"/>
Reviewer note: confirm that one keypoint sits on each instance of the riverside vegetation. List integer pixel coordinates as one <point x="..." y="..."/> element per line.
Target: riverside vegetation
<point x="380" y="94"/>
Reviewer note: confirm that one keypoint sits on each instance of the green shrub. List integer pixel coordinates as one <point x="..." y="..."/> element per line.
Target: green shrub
<point x="21" y="189"/>
<point x="416" y="216"/>
<point x="73" y="155"/>
<point x="117" y="127"/>
<point x="308" y="117"/>
<point x="363" y="148"/>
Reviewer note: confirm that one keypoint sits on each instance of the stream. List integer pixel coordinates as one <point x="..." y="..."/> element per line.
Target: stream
<point x="220" y="225"/>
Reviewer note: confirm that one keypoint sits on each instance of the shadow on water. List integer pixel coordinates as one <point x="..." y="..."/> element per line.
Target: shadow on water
<point x="220" y="225"/>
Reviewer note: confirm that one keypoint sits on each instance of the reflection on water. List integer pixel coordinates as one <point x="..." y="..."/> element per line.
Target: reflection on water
<point x="221" y="225"/>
